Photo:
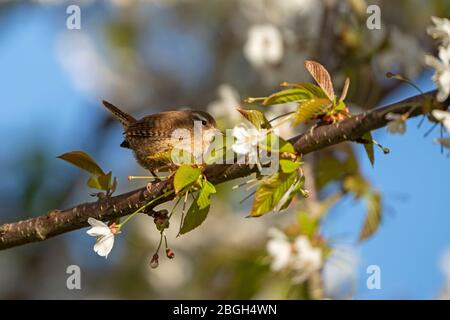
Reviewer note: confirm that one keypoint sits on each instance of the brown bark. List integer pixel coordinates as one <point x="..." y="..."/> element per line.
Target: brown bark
<point x="61" y="221"/>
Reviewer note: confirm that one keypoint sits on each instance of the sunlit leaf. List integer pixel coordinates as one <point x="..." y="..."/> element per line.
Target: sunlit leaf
<point x="322" y="77"/>
<point x="185" y="176"/>
<point x="271" y="191"/>
<point x="288" y="95"/>
<point x="286" y="200"/>
<point x="83" y="161"/>
<point x="373" y="217"/>
<point x="310" y="109"/>
<point x="288" y="166"/>
<point x="199" y="209"/>
<point x="256" y="117"/>
<point x="315" y="90"/>
<point x="207" y="188"/>
<point x="102" y="182"/>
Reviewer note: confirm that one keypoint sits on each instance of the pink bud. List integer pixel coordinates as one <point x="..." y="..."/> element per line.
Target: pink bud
<point x="169" y="253"/>
<point x="154" y="263"/>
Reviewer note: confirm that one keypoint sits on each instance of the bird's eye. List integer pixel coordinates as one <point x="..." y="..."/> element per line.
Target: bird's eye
<point x="204" y="122"/>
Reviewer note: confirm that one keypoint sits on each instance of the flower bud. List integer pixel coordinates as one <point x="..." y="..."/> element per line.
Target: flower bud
<point x="169" y="253"/>
<point x="154" y="263"/>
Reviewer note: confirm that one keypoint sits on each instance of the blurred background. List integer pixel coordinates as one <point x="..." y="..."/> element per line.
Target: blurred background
<point x="153" y="55"/>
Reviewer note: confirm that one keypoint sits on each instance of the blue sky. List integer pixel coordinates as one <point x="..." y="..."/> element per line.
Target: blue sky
<point x="414" y="177"/>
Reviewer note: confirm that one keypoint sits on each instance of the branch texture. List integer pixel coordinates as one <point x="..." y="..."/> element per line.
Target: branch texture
<point x="61" y="221"/>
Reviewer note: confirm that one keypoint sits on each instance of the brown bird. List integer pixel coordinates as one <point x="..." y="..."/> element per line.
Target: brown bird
<point x="153" y="137"/>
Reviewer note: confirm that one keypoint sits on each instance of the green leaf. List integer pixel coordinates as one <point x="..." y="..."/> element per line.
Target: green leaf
<point x="373" y="217"/>
<point x="288" y="166"/>
<point x="271" y="191"/>
<point x="286" y="146"/>
<point x="185" y="176"/>
<point x="83" y="161"/>
<point x="102" y="182"/>
<point x="315" y="90"/>
<point x="340" y="107"/>
<point x="256" y="117"/>
<point x="298" y="184"/>
<point x="199" y="209"/>
<point x="288" y="95"/>
<point x="204" y="194"/>
<point x="369" y="147"/>
<point x="310" y="109"/>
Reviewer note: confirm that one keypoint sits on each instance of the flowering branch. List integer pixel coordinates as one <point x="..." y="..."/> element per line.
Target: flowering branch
<point x="61" y="221"/>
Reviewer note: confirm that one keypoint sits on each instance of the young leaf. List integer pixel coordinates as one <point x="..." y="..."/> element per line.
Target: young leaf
<point x="315" y="90"/>
<point x="84" y="161"/>
<point x="373" y="217"/>
<point x="288" y="95"/>
<point x="185" y="176"/>
<point x="289" y="195"/>
<point x="311" y="109"/>
<point x="204" y="194"/>
<point x="270" y="192"/>
<point x="344" y="90"/>
<point x="288" y="166"/>
<point x="369" y="147"/>
<point x="322" y="77"/>
<point x="199" y="209"/>
<point x="102" y="182"/>
<point x="256" y="117"/>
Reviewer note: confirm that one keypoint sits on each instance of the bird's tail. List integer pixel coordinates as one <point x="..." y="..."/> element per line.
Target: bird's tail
<point x="123" y="117"/>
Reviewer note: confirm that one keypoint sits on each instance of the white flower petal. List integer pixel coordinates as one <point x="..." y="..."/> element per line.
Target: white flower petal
<point x="443" y="116"/>
<point x="96" y="223"/>
<point x="104" y="245"/>
<point x="240" y="132"/>
<point x="280" y="250"/>
<point x="98" y="229"/>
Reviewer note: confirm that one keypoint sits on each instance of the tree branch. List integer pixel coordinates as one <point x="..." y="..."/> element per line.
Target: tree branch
<point x="61" y="221"/>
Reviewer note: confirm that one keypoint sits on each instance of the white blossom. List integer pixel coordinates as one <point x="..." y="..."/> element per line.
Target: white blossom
<point x="440" y="30"/>
<point x="442" y="73"/>
<point x="443" y="117"/>
<point x="307" y="259"/>
<point x="104" y="236"/>
<point x="298" y="256"/>
<point x="279" y="248"/>
<point x="247" y="141"/>
<point x="264" y="45"/>
<point x="441" y="76"/>
<point x="396" y="124"/>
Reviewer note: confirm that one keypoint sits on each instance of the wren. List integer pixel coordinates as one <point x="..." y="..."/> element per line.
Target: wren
<point x="152" y="137"/>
